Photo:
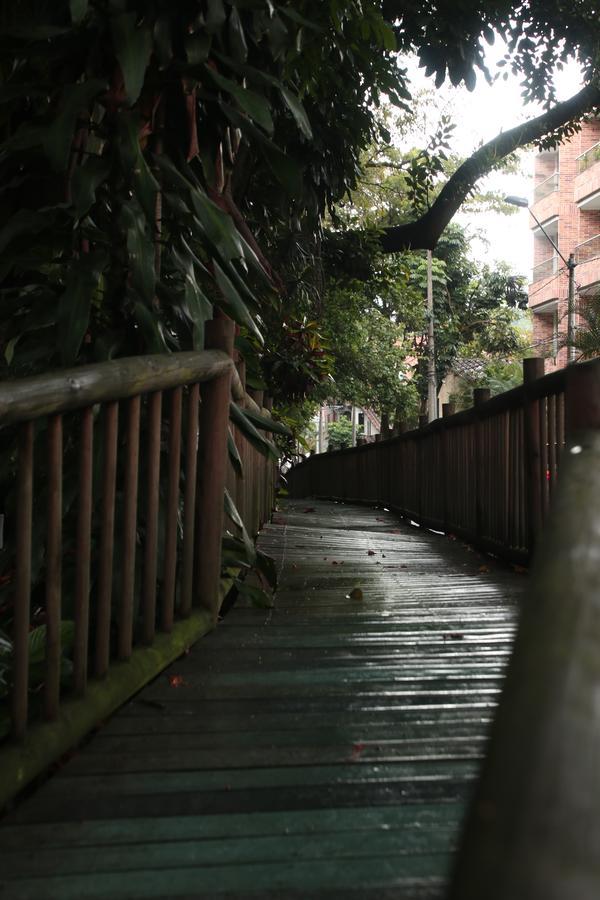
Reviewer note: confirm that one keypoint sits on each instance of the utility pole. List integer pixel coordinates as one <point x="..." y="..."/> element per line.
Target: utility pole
<point x="353" y="421"/>
<point x="571" y="310"/>
<point x="432" y="412"/>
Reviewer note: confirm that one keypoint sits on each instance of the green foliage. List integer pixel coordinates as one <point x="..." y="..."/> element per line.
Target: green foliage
<point x="37" y="665"/>
<point x="339" y="434"/>
<point x="587" y="335"/>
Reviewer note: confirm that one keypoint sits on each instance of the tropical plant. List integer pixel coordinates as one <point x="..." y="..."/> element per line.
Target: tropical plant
<point x="340" y="433"/>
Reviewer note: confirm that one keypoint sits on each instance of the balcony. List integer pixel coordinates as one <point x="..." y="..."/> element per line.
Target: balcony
<point x="545" y="269"/>
<point x="588" y="250"/>
<point x="546" y="187"/>
<point x="589" y="158"/>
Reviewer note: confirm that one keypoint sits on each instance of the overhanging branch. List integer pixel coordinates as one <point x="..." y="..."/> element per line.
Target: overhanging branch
<point x="424" y="232"/>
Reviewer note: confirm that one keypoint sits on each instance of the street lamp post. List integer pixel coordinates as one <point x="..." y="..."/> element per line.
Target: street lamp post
<point x="570" y="264"/>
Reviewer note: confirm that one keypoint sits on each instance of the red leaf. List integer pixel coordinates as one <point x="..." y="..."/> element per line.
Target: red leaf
<point x="176" y="681"/>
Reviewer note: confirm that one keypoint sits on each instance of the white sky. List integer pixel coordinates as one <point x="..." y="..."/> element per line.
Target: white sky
<point x="479" y="116"/>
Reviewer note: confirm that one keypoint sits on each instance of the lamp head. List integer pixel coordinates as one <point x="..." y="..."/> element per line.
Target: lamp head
<point x="517" y="201"/>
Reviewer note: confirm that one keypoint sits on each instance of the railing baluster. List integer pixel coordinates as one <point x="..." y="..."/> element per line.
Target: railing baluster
<point x="53" y="568"/>
<point x="107" y="538"/>
<point x="83" y="553"/>
<point x="23" y="581"/>
<point x="212" y="470"/>
<point x="130" y="490"/>
<point x="189" y="500"/>
<point x="152" y="512"/>
<point x="172" y="512"/>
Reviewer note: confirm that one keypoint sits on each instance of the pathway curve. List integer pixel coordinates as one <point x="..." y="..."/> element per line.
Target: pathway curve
<point x="321" y="749"/>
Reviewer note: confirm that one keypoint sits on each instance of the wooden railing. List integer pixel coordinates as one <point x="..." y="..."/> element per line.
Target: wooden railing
<point x="532" y="827"/>
<point x="486" y="474"/>
<point x="115" y="533"/>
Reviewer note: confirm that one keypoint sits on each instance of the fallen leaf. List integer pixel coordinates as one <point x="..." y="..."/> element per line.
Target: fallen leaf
<point x="521" y="570"/>
<point x="356" y="594"/>
<point x="309" y="509"/>
<point x="357" y="749"/>
<point x="451" y="537"/>
<point x="484" y="569"/>
<point x="334" y="563"/>
<point x="176" y="681"/>
<point x="404" y="566"/>
<point x="370" y="552"/>
<point x="454" y="636"/>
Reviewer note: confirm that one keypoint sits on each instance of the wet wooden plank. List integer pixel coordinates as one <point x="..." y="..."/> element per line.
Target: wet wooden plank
<point x="324" y="748"/>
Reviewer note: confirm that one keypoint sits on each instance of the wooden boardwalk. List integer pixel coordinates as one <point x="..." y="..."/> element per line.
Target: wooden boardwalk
<point x="322" y="749"/>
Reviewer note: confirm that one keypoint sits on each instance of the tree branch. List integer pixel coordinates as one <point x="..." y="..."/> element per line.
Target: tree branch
<point x="424" y="232"/>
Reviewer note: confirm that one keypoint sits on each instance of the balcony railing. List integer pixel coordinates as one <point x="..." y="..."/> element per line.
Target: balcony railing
<point x="546" y="187"/>
<point x="587" y="159"/>
<point x="589" y="249"/>
<point x="545" y="269"/>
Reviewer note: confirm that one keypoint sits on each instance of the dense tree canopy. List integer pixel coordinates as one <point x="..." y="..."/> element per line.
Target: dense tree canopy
<point x="159" y="159"/>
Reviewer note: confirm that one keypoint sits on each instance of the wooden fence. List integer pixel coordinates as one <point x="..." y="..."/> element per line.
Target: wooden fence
<point x="115" y="532"/>
<point x="487" y="474"/>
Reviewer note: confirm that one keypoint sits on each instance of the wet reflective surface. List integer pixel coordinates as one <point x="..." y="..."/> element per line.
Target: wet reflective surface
<point x="324" y="748"/>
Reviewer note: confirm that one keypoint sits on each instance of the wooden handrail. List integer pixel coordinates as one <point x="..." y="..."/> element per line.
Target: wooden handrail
<point x="117" y="379"/>
<point x="486" y="474"/>
<point x="146" y="439"/>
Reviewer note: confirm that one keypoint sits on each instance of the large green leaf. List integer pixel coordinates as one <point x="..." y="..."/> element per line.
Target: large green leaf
<point x="76" y="301"/>
<point x="74" y="102"/>
<point x="196" y="306"/>
<point x="78" y="9"/>
<point x="287" y="171"/>
<point x="140" y="251"/>
<point x="218" y="226"/>
<point x="134" y="164"/>
<point x="234" y="303"/>
<point x="151" y="328"/>
<point x="234" y="456"/>
<point x="266" y="423"/>
<point x="85" y="182"/>
<point x="251" y="434"/>
<point x="25" y="221"/>
<point x="253" y="104"/>
<point x="297" y="110"/>
<point x="133" y="46"/>
<point x="37" y="641"/>
<point x="215" y="16"/>
<point x="232" y="512"/>
<point x="267" y="567"/>
<point x="237" y="38"/>
<point x="257" y="595"/>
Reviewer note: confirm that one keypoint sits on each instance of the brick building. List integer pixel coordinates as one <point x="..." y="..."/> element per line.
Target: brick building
<point x="566" y="201"/>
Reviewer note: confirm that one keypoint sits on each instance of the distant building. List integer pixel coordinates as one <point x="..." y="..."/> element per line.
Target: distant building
<point x="366" y="421"/>
<point x="566" y="201"/>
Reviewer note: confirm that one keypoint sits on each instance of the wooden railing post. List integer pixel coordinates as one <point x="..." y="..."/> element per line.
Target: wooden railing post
<point x="212" y="470"/>
<point x="448" y="409"/>
<point x="533" y="368"/>
<point x="480" y="396"/>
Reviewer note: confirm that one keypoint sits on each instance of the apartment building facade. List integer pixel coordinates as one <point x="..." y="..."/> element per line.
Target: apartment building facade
<point x="566" y="201"/>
